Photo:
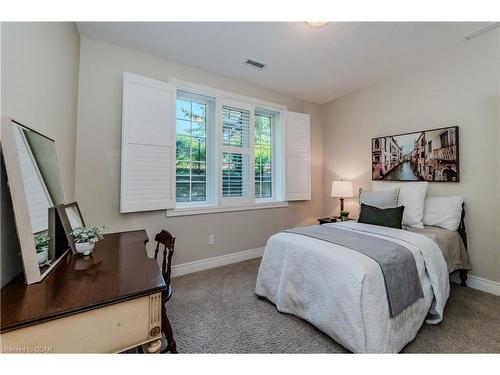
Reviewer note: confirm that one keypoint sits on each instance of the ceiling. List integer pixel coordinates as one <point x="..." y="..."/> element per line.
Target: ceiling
<point x="314" y="64"/>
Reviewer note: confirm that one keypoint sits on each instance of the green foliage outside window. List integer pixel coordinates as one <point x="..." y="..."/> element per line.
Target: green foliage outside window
<point x="263" y="156"/>
<point x="191" y="153"/>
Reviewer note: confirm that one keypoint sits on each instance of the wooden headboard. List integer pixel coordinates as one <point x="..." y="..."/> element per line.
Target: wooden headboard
<point x="461" y="227"/>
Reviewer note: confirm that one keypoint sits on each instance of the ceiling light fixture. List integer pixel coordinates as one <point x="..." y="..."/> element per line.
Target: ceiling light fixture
<point x="316" y="23"/>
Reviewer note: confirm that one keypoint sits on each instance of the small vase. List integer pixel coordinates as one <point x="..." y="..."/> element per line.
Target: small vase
<point x="42" y="255"/>
<point x="344" y="218"/>
<point x="84" y="248"/>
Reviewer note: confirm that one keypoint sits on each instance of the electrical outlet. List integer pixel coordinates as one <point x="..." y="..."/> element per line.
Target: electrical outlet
<point x="211" y="239"/>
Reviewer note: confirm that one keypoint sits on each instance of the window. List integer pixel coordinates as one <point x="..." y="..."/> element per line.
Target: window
<point x="235" y="127"/>
<point x="236" y="152"/>
<point x="192" y="149"/>
<point x="444" y="139"/>
<point x="263" y="156"/>
<point x="193" y="114"/>
<point x="246" y="136"/>
<point x="229" y="153"/>
<point x="232" y="175"/>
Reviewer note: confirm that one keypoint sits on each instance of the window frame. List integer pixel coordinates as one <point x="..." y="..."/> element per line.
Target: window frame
<point x="210" y="120"/>
<point x="248" y="150"/>
<point x="271" y="141"/>
<point x="277" y="155"/>
<point x="214" y="201"/>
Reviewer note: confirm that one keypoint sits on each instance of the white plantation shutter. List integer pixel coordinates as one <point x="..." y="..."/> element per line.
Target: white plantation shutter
<point x="237" y="152"/>
<point x="297" y="156"/>
<point x="148" y="145"/>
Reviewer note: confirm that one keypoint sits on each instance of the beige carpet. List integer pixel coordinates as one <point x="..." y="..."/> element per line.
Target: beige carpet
<point x="216" y="311"/>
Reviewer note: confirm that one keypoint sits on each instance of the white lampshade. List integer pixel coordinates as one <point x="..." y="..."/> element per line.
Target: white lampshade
<point x="342" y="189"/>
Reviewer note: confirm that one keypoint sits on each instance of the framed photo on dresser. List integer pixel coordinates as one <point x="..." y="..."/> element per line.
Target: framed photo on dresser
<point x="71" y="218"/>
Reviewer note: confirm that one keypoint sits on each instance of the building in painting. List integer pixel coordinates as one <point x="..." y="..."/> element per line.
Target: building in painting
<point x="420" y="155"/>
<point x="386" y="155"/>
<point x="376" y="158"/>
<point x="440" y="155"/>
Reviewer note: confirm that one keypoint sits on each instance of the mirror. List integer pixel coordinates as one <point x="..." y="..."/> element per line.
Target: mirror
<point x="36" y="188"/>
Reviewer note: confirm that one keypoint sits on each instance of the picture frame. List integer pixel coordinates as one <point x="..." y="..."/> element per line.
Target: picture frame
<point x="71" y="218"/>
<point x="427" y="155"/>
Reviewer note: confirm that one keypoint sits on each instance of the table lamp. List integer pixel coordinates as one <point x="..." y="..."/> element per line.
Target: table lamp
<point x="342" y="189"/>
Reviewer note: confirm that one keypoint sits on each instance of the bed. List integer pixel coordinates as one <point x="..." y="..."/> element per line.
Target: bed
<point x="452" y="246"/>
<point x="343" y="293"/>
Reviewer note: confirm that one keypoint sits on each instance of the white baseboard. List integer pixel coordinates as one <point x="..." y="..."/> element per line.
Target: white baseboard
<point x="476" y="282"/>
<point x="205" y="264"/>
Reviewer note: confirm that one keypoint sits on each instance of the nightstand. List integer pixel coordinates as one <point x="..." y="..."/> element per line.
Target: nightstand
<point x="326" y="220"/>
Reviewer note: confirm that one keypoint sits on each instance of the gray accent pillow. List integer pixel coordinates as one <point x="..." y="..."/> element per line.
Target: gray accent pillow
<point x="379" y="199"/>
<point x="386" y="217"/>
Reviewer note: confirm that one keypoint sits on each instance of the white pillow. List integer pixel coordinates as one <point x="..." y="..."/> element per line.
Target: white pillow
<point x="379" y="199"/>
<point x="412" y="196"/>
<point x="443" y="212"/>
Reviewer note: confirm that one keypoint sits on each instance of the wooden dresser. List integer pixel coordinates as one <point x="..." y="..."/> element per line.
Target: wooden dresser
<point x="107" y="302"/>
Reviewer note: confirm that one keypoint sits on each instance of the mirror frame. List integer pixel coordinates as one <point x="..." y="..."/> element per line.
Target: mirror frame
<point x="24" y="229"/>
<point x="63" y="216"/>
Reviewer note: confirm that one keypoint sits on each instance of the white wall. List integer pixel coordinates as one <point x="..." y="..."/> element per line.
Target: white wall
<point x="40" y="84"/>
<point x="98" y="158"/>
<point x="39" y="88"/>
<point x="457" y="89"/>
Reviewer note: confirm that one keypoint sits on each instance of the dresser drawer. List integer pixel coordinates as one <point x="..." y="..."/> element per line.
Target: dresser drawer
<point x="108" y="329"/>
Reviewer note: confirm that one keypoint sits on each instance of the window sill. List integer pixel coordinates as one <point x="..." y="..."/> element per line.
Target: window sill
<point x="212" y="209"/>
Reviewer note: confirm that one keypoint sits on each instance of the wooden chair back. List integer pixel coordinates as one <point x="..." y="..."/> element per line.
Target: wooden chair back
<point x="167" y="240"/>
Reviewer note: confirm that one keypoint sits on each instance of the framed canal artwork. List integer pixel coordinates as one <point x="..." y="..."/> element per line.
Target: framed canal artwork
<point x="429" y="155"/>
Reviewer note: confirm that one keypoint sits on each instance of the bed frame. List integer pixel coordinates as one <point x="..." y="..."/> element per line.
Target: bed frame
<point x="463" y="234"/>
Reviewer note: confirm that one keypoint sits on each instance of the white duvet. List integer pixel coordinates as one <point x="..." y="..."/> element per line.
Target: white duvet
<point x="342" y="292"/>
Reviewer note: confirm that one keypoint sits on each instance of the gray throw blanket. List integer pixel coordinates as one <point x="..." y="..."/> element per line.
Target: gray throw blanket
<point x="402" y="283"/>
